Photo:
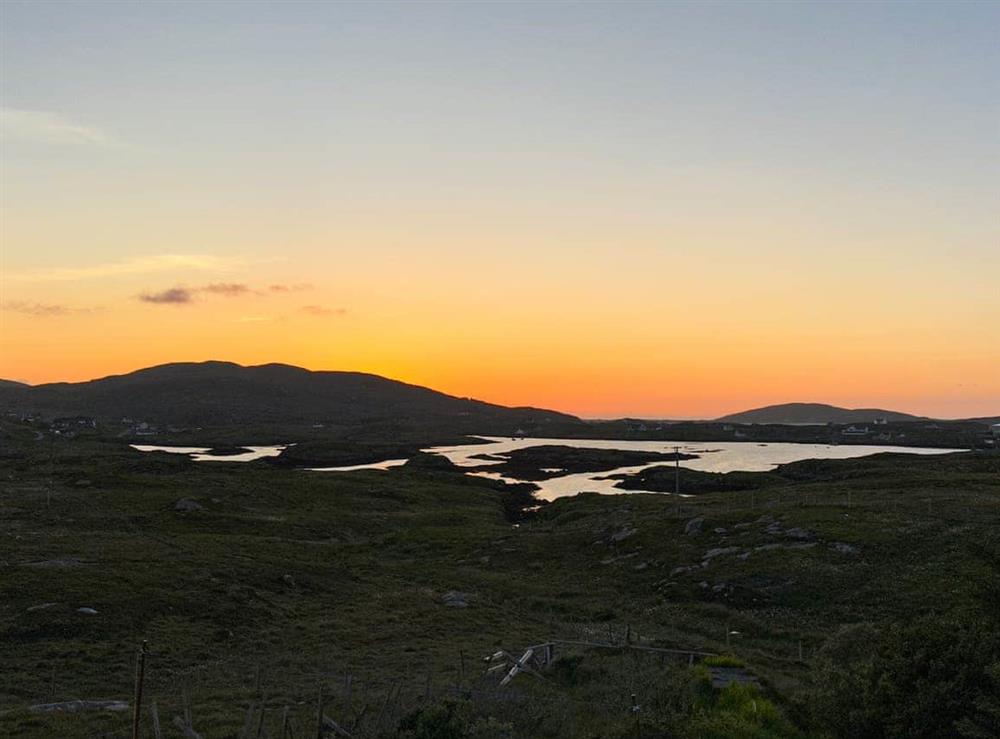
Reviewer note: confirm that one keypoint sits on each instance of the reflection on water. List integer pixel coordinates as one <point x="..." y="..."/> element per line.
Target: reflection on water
<point x="721" y="457"/>
<point x="171" y="449"/>
<point x="201" y="454"/>
<point x="386" y="465"/>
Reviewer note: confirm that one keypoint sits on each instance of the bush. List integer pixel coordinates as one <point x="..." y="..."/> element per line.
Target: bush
<point x="739" y="711"/>
<point x="925" y="678"/>
<point x="723" y="660"/>
<point x="440" y="721"/>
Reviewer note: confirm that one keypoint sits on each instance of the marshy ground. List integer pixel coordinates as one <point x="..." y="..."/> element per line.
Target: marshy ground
<point x="259" y="584"/>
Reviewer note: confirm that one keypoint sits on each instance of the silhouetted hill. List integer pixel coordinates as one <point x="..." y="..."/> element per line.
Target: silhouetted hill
<point x="800" y="413"/>
<point x="224" y="394"/>
<point x="11" y="384"/>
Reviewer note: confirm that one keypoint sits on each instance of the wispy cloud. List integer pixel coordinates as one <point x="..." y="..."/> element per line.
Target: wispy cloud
<point x="39" y="126"/>
<point x="182" y="294"/>
<point x="43" y="310"/>
<point x="229" y="289"/>
<point x="321" y="311"/>
<point x="172" y="296"/>
<point x="135" y="266"/>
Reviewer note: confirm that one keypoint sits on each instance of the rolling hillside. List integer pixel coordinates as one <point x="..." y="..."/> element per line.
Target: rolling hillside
<point x="820" y="413"/>
<point x="223" y="393"/>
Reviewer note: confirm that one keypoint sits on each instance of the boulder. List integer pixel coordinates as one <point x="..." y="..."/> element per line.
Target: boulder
<point x="843" y="547"/>
<point x="41" y="607"/>
<point x="797" y="533"/>
<point x="78" y="706"/>
<point x="622" y="534"/>
<point x="455" y="599"/>
<point x="720" y="551"/>
<point x="187" y="505"/>
<point x="693" y="527"/>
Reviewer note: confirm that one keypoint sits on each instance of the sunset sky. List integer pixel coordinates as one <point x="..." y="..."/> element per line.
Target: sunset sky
<point x="649" y="209"/>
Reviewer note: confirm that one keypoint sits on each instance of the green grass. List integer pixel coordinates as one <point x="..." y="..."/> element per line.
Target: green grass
<point x="309" y="577"/>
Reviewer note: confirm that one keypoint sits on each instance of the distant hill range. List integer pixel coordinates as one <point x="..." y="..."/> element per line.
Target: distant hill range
<point x="819" y="413"/>
<point x="224" y="394"/>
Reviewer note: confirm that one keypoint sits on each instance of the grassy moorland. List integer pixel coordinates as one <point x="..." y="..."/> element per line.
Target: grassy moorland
<point x="861" y="593"/>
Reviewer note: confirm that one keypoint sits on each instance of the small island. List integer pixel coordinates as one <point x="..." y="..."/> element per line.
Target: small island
<point x="553" y="460"/>
<point x="664" y="479"/>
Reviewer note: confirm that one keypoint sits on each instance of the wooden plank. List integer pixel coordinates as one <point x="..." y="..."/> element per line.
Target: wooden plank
<point x="658" y="650"/>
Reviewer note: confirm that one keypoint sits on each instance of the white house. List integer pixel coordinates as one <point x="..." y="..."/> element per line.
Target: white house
<point x="855" y="431"/>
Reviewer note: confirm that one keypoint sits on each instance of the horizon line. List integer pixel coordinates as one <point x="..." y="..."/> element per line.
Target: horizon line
<point x="582" y="417"/>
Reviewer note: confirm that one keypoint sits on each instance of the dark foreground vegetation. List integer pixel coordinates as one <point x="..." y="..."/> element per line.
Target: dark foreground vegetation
<point x="855" y="598"/>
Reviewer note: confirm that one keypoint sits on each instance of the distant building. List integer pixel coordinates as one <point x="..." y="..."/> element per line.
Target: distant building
<point x="69" y="422"/>
<point x="856" y="431"/>
<point x="995" y="428"/>
<point x="881" y="421"/>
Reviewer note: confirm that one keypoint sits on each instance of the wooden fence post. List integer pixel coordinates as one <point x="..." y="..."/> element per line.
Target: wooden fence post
<point x="140" y="674"/>
<point x="319" y="712"/>
<point x="157" y="731"/>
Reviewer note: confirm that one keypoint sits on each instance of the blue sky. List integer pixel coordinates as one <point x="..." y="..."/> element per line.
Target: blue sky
<point x="785" y="156"/>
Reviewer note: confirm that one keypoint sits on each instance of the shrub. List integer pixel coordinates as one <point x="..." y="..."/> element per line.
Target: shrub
<point x="723" y="660"/>
<point x="924" y="678"/>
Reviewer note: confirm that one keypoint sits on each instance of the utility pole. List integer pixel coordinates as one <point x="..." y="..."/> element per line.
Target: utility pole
<point x="677" y="470"/>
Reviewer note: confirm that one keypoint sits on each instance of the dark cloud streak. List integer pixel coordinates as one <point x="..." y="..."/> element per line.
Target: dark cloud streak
<point x="173" y="296"/>
<point x="229" y="289"/>
<point x="42" y="310"/>
<point x="181" y="295"/>
<point x="319" y="310"/>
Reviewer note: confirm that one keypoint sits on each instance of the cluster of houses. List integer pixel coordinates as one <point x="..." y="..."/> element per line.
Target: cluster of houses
<point x="138" y="428"/>
<point x="68" y="427"/>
